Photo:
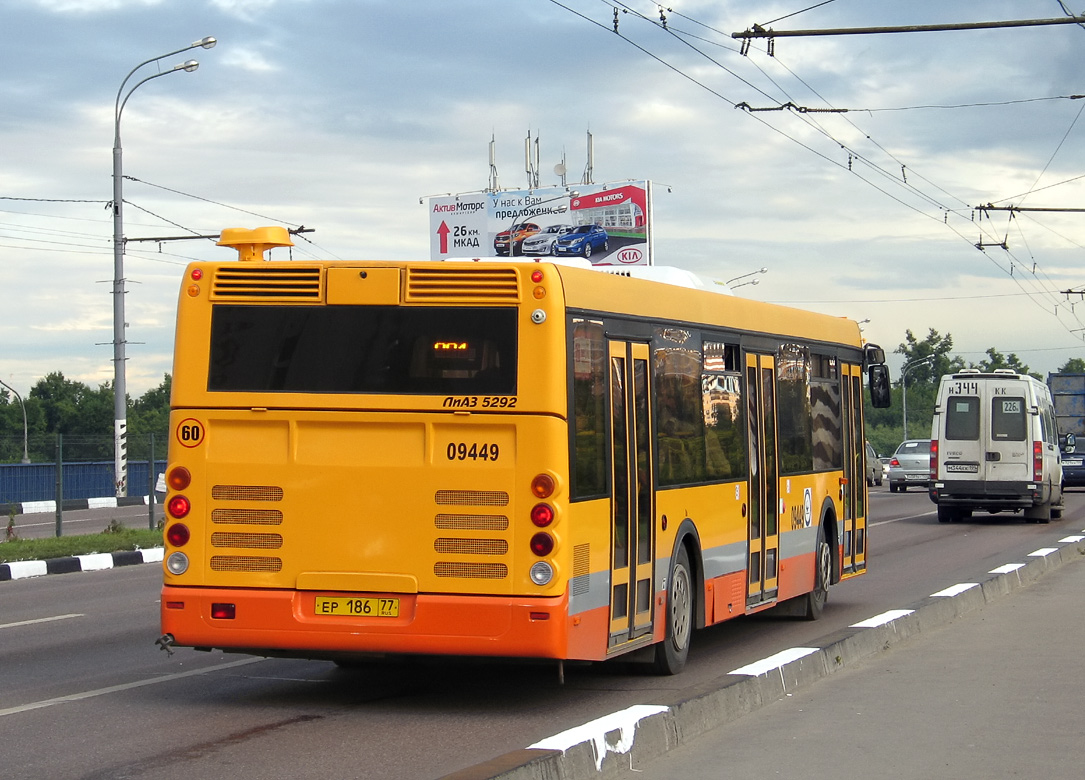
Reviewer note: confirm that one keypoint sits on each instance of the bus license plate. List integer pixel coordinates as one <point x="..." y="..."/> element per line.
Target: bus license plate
<point x="357" y="607"/>
<point x="962" y="468"/>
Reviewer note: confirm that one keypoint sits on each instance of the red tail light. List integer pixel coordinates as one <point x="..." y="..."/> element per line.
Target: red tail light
<point x="934" y="459"/>
<point x="178" y="535"/>
<point x="1038" y="461"/>
<point x="179" y="506"/>
<point x="542" y="515"/>
<point x="223" y="611"/>
<point x="542" y="544"/>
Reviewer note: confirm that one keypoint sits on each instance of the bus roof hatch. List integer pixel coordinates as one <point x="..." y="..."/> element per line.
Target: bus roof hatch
<point x="251" y="244"/>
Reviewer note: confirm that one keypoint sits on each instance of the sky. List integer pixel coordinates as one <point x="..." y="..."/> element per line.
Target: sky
<point x="343" y="116"/>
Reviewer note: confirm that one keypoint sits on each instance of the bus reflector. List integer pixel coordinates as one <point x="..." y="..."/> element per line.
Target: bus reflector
<point x="542" y="544"/>
<point x="179" y="506"/>
<point x="536" y="276"/>
<point x="1038" y="461"/>
<point x="178" y="535"/>
<point x="542" y="515"/>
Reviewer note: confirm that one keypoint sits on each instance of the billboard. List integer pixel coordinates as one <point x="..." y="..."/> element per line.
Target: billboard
<point x="605" y="224"/>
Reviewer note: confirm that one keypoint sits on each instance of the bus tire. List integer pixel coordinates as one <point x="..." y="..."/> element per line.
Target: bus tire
<point x="823" y="574"/>
<point x="671" y="653"/>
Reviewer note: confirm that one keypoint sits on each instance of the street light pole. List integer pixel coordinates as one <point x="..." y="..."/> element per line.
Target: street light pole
<point x="120" y="391"/>
<point x="904" y="387"/>
<point x="26" y="456"/>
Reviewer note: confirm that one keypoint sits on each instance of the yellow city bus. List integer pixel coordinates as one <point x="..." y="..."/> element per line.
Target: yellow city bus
<point x="500" y="458"/>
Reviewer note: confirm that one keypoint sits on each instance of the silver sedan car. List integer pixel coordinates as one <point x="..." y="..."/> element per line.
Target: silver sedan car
<point x="911" y="465"/>
<point x="542" y="243"/>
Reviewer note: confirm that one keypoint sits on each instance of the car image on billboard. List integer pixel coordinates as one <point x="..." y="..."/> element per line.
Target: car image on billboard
<point x="583" y="241"/>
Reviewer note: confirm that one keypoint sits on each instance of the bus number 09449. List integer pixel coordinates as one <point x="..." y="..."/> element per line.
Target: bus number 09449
<point x="464" y="451"/>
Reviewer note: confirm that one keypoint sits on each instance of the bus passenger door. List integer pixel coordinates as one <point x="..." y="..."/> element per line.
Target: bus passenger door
<point x="854" y="487"/>
<point x="762" y="556"/>
<point x="632" y="506"/>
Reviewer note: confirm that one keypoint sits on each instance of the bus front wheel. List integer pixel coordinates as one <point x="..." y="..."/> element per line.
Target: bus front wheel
<point x="671" y="653"/>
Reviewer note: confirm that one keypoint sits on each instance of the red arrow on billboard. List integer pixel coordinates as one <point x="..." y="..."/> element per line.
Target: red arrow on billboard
<point x="443" y="232"/>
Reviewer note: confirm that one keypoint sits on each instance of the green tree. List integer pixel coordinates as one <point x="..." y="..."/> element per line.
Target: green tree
<point x="84" y="416"/>
<point x="150" y="414"/>
<point x="1073" y="366"/>
<point x="924" y="364"/>
<point x="997" y="360"/>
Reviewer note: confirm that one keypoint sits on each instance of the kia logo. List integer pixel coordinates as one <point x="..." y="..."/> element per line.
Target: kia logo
<point x="630" y="255"/>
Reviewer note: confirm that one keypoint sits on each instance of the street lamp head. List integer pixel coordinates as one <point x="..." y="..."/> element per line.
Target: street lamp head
<point x="190" y="66"/>
<point x="206" y="43"/>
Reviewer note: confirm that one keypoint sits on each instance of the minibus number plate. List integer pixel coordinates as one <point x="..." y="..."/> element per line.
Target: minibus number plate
<point x="365" y="607"/>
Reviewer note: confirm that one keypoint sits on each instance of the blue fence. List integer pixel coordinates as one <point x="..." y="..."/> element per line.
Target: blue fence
<point x="23" y="482"/>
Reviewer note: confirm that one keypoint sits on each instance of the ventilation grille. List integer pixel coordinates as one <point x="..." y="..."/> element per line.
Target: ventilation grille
<point x="462" y="284"/>
<point x="581" y="580"/>
<point x="247" y="540"/>
<point x="245" y="282"/>
<point x="477" y="571"/>
<point x="472" y="522"/>
<point x="246" y="563"/>
<point x="472" y="497"/>
<point x="247" y="493"/>
<point x="471" y="546"/>
<point x="247" y="517"/>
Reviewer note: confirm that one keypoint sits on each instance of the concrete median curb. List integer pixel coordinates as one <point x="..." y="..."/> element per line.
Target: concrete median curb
<point x="18" y="570"/>
<point x="602" y="750"/>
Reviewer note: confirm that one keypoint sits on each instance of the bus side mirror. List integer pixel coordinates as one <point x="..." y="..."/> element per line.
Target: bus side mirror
<point x="878" y="378"/>
<point x="1068" y="443"/>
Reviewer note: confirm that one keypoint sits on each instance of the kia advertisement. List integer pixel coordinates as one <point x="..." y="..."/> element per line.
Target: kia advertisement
<point x="603" y="224"/>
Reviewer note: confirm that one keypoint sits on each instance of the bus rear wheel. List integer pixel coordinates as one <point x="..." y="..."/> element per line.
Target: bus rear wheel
<point x="823" y="573"/>
<point x="671" y="653"/>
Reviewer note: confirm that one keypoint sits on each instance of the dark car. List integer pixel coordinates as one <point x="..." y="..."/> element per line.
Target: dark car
<point x="582" y="241"/>
<point x="1073" y="464"/>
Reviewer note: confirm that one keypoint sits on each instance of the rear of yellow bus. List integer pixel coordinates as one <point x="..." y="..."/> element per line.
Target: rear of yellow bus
<point x="368" y="458"/>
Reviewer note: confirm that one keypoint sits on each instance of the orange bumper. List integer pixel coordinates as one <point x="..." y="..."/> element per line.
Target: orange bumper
<point x="286" y="622"/>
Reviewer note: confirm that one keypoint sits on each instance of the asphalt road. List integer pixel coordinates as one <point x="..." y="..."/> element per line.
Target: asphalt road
<point x="84" y="521"/>
<point x="84" y="693"/>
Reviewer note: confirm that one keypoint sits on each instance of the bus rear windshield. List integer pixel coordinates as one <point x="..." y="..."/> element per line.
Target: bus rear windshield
<point x="363" y="349"/>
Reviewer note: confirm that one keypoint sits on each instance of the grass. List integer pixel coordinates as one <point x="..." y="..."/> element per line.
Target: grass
<point x="64" y="546"/>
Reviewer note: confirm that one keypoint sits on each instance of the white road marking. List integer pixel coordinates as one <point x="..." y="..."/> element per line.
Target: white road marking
<point x="37" y="705"/>
<point x="40" y="620"/>
<point x="1006" y="568"/>
<point x="956" y="590"/>
<point x="782" y="658"/>
<point x="882" y="619"/>
<point x="1043" y="552"/>
<point x="624" y="722"/>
